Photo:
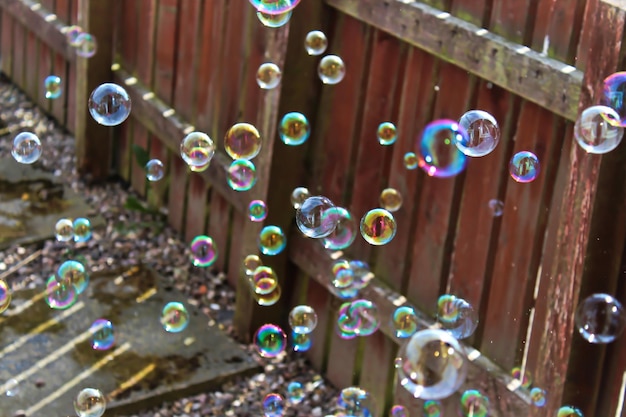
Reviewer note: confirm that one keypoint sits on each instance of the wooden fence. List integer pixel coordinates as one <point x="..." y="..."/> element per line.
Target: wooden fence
<point x="534" y="64"/>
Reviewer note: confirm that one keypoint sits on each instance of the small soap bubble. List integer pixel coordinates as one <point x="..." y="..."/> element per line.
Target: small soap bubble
<point x="387" y="133"/>
<point x="315" y="42"/>
<point x="301" y="342"/>
<point x="294" y="129"/>
<point x="432" y="408"/>
<point x="474" y="404"/>
<point x="398" y="411"/>
<point x="109" y="104"/>
<point x="331" y="69"/>
<point x="86" y="45"/>
<point x="242" y="141"/>
<point x="437" y="153"/>
<point x="71" y="33"/>
<point x="257" y="210"/>
<point x="597" y="130"/>
<point x="272" y="240"/>
<point x="299" y="196"/>
<point x="264" y="280"/>
<point x="569" y="411"/>
<point x="483" y="133"/>
<point x="64" y="230"/>
<point x="613" y="95"/>
<point x="273" y="405"/>
<point x="342" y="278"/>
<point x="456" y="316"/>
<point x="378" y="227"/>
<point x="391" y="199"/>
<point x="241" y="175"/>
<point x="600" y="318"/>
<point x="74" y="273"/>
<point x="295" y="392"/>
<point x="524" y="167"/>
<point x="251" y="263"/>
<point x="90" y="402"/>
<point x="274" y="20"/>
<point x="496" y="207"/>
<point x="362" y="274"/>
<point x="269" y="299"/>
<point x="12" y="388"/>
<point x="52" y="87"/>
<point x="197" y="150"/>
<point x="5" y="296"/>
<point x="174" y="317"/>
<point x="410" y="161"/>
<point x="345" y="230"/>
<point x="516" y="373"/>
<point x="26" y="148"/>
<point x="274" y="6"/>
<point x="102" y="335"/>
<point x="270" y="341"/>
<point x="356" y="402"/>
<point x="59" y="295"/>
<point x="431" y="365"/>
<point x="155" y="170"/>
<point x="268" y="76"/>
<point x="315" y="218"/>
<point x="82" y="230"/>
<point x="203" y="251"/>
<point x="302" y="319"/>
<point x="359" y="317"/>
<point x="405" y="321"/>
<point x="538" y="397"/>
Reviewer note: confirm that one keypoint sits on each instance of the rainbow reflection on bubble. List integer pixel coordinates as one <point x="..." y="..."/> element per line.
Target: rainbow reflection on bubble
<point x="355" y="401"/>
<point x="203" y="251"/>
<point x="524" y="167"/>
<point x="398" y="411"/>
<point x="263" y="280"/>
<point x="437" y="152"/>
<point x="456" y="316"/>
<point x="82" y="229"/>
<point x="516" y="373"/>
<point x="52" y="87"/>
<point x="270" y="341"/>
<point x="5" y="296"/>
<point x="387" y="133"/>
<point x="272" y="240"/>
<point x="295" y="392"/>
<point x="241" y="175"/>
<point x="273" y="405"/>
<point x="345" y="230"/>
<point x="301" y="342"/>
<point x="274" y="20"/>
<point x="410" y="161"/>
<point x="74" y="273"/>
<point x="378" y="227"/>
<point x="405" y="321"/>
<point x="294" y="129"/>
<point x="538" y="396"/>
<point x="60" y="295"/>
<point x="274" y="6"/>
<point x="432" y="408"/>
<point x="102" y="335"/>
<point x="474" y="404"/>
<point x="174" y="317"/>
<point x="613" y="95"/>
<point x="569" y="411"/>
<point x="242" y="141"/>
<point x="257" y="210"/>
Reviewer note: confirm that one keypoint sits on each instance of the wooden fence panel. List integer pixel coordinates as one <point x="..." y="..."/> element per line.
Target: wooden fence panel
<point x="61" y="67"/>
<point x="7" y="43"/>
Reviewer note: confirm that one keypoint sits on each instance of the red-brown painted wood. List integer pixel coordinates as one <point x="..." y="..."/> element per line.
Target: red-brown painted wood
<point x="319" y="298"/>
<point x="218" y="228"/>
<point x="7" y="44"/>
<point x="19" y="55"/>
<point x="32" y="85"/>
<point x="557" y="28"/>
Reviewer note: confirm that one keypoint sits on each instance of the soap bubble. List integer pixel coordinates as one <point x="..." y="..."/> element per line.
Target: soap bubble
<point x="437" y="153"/>
<point x="86" y="45"/>
<point x="257" y="210"/>
<point x="268" y="76"/>
<point x="102" y="335"/>
<point x="314" y="217"/>
<point x="516" y="373"/>
<point x="405" y="321"/>
<point x="613" y="95"/>
<point x="274" y="20"/>
<point x="241" y="175"/>
<point x="73" y="272"/>
<point x="362" y="274"/>
<point x="155" y="170"/>
<point x="315" y="42"/>
<point x="432" y="408"/>
<point x="474" y="404"/>
<point x="90" y="402"/>
<point x="274" y="6"/>
<point x="59" y="295"/>
<point x="331" y="69"/>
<point x="538" y="397"/>
<point x="242" y="141"/>
<point x="456" y="316"/>
<point x="272" y="240"/>
<point x="342" y="274"/>
<point x="302" y="319"/>
<point x="264" y="280"/>
<point x="299" y="196"/>
<point x="359" y="317"/>
<point x="378" y="227"/>
<point x="431" y="365"/>
<point x="5" y="296"/>
<point x="345" y="230"/>
<point x="524" y="167"/>
<point x="398" y="411"/>
<point x="71" y="33"/>
<point x="295" y="392"/>
<point x="410" y="161"/>
<point x="600" y="318"/>
<point x="387" y="133"/>
<point x="569" y="411"/>
<point x="356" y="402"/>
<point x="496" y="207"/>
<point x="301" y="342"/>
<point x="82" y="229"/>
<point x="597" y="129"/>
<point x="203" y="251"/>
<point x="64" y="230"/>
<point x="197" y="150"/>
<point x="52" y="87"/>
<point x="270" y="340"/>
<point x="109" y="104"/>
<point x="269" y="299"/>
<point x="251" y="263"/>
<point x="174" y="317"/>
<point x="294" y="129"/>
<point x="12" y="388"/>
<point x="483" y="133"/>
<point x="391" y="199"/>
<point x="26" y="148"/>
<point x="273" y="405"/>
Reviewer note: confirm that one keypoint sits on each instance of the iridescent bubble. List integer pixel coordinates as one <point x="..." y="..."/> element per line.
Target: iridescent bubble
<point x="356" y="402"/>
<point x="496" y="207"/>
<point x="431" y="365"/>
<point x="597" y="129"/>
<point x="242" y="141"/>
<point x="302" y="319"/>
<point x="391" y="199"/>
<point x="345" y="230"/>
<point x="12" y="388"/>
<point x="60" y="295"/>
<point x="102" y="335"/>
<point x="569" y="411"/>
<point x="524" y="167"/>
<point x="483" y="133"/>
<point x="203" y="251"/>
<point x="52" y="87"/>
<point x="73" y="272"/>
<point x="294" y="129"/>
<point x="251" y="263"/>
<point x="613" y="95"/>
<point x="26" y="148"/>
<point x="264" y="280"/>
<point x="387" y="133"/>
<point x="71" y="33"/>
<point x="432" y="408"/>
<point x="90" y="402"/>
<point x="269" y="299"/>
<point x="538" y="397"/>
<point x="64" y="230"/>
<point x="295" y="392"/>
<point x="274" y="6"/>
<point x="344" y="332"/>
<point x="82" y="229"/>
<point x="155" y="170"/>
<point x="174" y="317"/>
<point x="299" y="196"/>
<point x="410" y="161"/>
<point x="516" y="373"/>
<point x="315" y="42"/>
<point x="456" y="316"/>
<point x="378" y="227"/>
<point x="343" y="278"/>
<point x="600" y="318"/>
<point x="274" y="20"/>
<point x="362" y="274"/>
<point x="366" y="312"/>
<point x="241" y="175"/>
<point x="270" y="341"/>
<point x="5" y="296"/>
<point x="268" y="76"/>
<point x="257" y="210"/>
<point x="86" y="45"/>
<point x="398" y="411"/>
<point x="331" y="69"/>
<point x="405" y="321"/>
<point x="301" y="342"/>
<point x="437" y="153"/>
<point x="273" y="405"/>
<point x="272" y="240"/>
<point x="314" y="218"/>
<point x="109" y="104"/>
<point x="474" y="404"/>
<point x="197" y="150"/>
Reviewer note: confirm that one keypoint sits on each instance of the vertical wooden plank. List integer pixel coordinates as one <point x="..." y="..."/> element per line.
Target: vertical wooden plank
<point x="124" y="153"/>
<point x="44" y="69"/>
<point x="62" y="9"/>
<point x="32" y="85"/>
<point x="219" y="228"/>
<point x="557" y="28"/>
<point x="378" y="370"/>
<point x="177" y="192"/>
<point x="19" y="55"/>
<point x="477" y="12"/>
<point x="74" y="104"/>
<point x="7" y="44"/>
<point x="514" y="19"/>
<point x="319" y="298"/>
<point x="196" y="207"/>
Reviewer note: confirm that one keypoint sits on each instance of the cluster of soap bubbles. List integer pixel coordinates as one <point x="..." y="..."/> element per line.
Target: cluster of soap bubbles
<point x="356" y="401"/>
<point x="359" y="317"/>
<point x="349" y="277"/>
<point x="78" y="230"/>
<point x="274" y="404"/>
<point x="84" y="43"/>
<point x="263" y="281"/>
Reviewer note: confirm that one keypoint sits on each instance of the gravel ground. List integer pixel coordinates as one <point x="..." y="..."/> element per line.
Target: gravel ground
<point x="129" y="236"/>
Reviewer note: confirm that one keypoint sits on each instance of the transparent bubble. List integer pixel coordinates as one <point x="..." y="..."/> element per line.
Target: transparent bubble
<point x="378" y="227"/>
<point x="432" y="408"/>
<point x="90" y="402"/>
<point x="197" y="150"/>
<point x="274" y="20"/>
<point x="437" y="153"/>
<point x="12" y="388"/>
<point x="174" y="317"/>
<point x="203" y="251"/>
<point x="257" y="210"/>
<point x="359" y="317"/>
<point x="345" y="230"/>
<point x="387" y="133"/>
<point x="474" y="404"/>
<point x="242" y="141"/>
<point x="64" y="230"/>
<point x="431" y="365"/>
<point x="524" y="167"/>
<point x="538" y="397"/>
<point x="71" y="33"/>
<point x="294" y="129"/>
<point x="241" y="175"/>
<point x="264" y="280"/>
<point x="516" y="373"/>
<point x="268" y="76"/>
<point x="73" y="272"/>
<point x="82" y="229"/>
<point x="274" y="6"/>
<point x="613" y="95"/>
<point x="273" y="405"/>
<point x="391" y="199"/>
<point x="269" y="299"/>
<point x="5" y="296"/>
<point x="60" y="295"/>
<point x="331" y="69"/>
<point x="597" y="129"/>
<point x="356" y="402"/>
<point x="155" y="170"/>
<point x="86" y="45"/>
<point x="301" y="342"/>
<point x="26" y="148"/>
<point x="343" y="278"/>
<point x="251" y="263"/>
<point x="398" y="411"/>
<point x="109" y="104"/>
<point x="483" y="133"/>
<point x="314" y="218"/>
<point x="600" y="318"/>
<point x="52" y="87"/>
<point x="295" y="392"/>
<point x="315" y="42"/>
<point x="569" y="411"/>
<point x="456" y="316"/>
<point x="302" y="319"/>
<point x="496" y="207"/>
<point x="272" y="240"/>
<point x="270" y="341"/>
<point x="405" y="321"/>
<point x="299" y="196"/>
<point x="362" y="274"/>
<point x="102" y="335"/>
<point x="410" y="161"/>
